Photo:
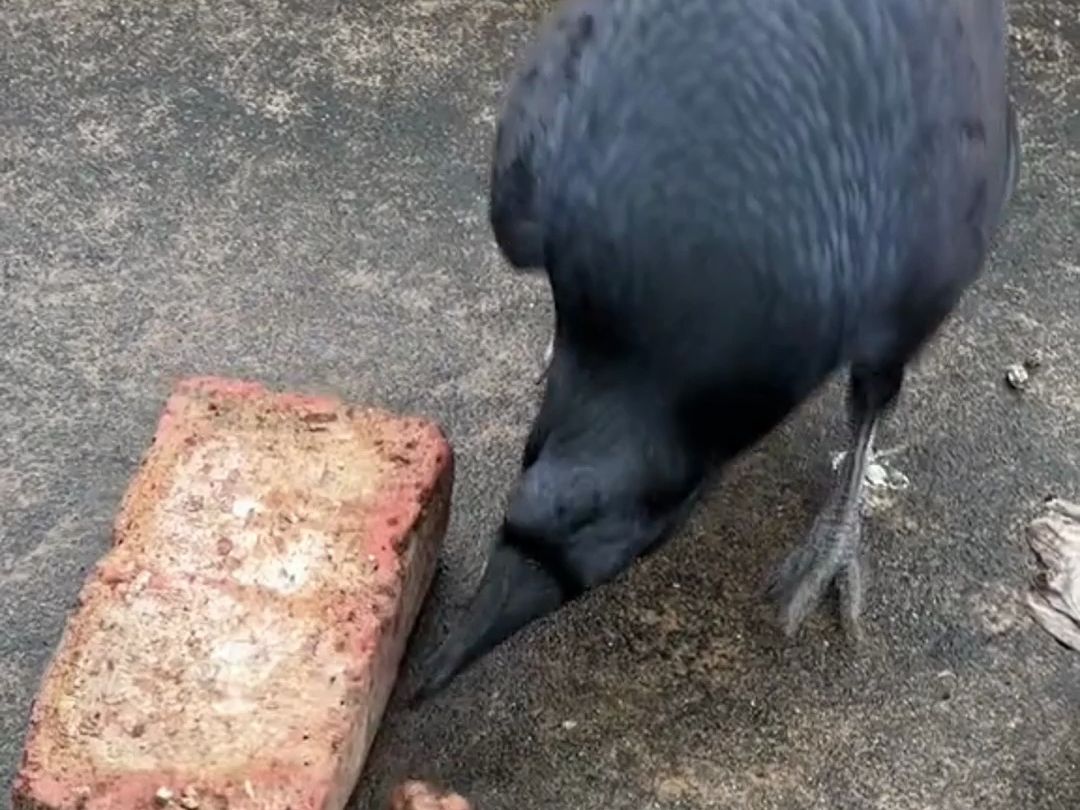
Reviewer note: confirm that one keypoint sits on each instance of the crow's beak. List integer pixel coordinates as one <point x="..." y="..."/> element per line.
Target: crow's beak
<point x="513" y="592"/>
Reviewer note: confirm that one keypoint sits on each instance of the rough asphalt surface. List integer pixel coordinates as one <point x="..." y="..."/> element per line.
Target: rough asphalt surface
<point x="295" y="192"/>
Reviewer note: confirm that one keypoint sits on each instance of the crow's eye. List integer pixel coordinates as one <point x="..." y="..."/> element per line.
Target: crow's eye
<point x="548" y="555"/>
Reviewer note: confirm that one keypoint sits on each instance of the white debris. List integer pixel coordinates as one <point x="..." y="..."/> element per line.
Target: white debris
<point x="1054" y="599"/>
<point x="876" y="476"/>
<point x="879" y="476"/>
<point x="1017" y="376"/>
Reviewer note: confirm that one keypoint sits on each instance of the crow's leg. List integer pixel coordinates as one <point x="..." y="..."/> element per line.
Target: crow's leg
<point x="830" y="553"/>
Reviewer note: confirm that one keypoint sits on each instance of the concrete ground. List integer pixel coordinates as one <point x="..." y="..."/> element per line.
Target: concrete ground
<point x="295" y="192"/>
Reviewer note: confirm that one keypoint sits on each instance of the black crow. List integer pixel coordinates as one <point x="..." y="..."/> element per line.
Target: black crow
<point x="732" y="200"/>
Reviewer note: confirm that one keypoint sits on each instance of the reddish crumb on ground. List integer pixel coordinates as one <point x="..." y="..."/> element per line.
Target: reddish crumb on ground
<point x="417" y="795"/>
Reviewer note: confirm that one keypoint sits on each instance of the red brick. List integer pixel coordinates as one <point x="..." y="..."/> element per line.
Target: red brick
<point x="238" y="644"/>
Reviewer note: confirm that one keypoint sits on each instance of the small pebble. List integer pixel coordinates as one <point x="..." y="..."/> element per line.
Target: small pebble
<point x="163" y="796"/>
<point x="422" y="796"/>
<point x="1017" y="377"/>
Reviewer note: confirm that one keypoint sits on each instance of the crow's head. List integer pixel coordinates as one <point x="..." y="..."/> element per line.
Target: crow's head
<point x="602" y="484"/>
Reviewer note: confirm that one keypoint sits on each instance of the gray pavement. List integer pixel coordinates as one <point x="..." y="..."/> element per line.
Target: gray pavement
<point x="295" y="192"/>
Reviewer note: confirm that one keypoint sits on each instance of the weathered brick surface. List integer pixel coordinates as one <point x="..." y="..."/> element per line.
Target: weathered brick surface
<point x="237" y="645"/>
